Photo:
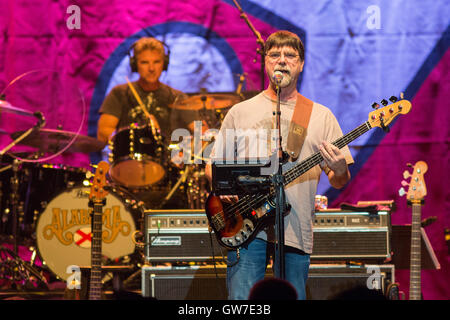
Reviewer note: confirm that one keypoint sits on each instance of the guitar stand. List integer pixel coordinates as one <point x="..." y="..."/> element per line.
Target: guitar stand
<point x="117" y="279"/>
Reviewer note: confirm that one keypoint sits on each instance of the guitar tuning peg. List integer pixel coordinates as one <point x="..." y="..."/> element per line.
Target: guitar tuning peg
<point x="86" y="183"/>
<point x="384" y="102"/>
<point x="406" y="174"/>
<point x="88" y="174"/>
<point x="393" y="99"/>
<point x="409" y="165"/>
<point x="404" y="183"/>
<point x="375" y="105"/>
<point x="401" y="192"/>
<point x="401" y="95"/>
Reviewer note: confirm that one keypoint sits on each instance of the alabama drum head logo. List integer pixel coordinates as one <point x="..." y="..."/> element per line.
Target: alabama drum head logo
<point x="83" y="237"/>
<point x="64" y="234"/>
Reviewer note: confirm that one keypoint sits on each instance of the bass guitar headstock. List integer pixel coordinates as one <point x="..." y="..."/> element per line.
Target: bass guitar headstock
<point x="98" y="192"/>
<point x="417" y="189"/>
<point x="383" y="116"/>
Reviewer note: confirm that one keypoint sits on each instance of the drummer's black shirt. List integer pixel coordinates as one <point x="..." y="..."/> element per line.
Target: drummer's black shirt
<point x="121" y="103"/>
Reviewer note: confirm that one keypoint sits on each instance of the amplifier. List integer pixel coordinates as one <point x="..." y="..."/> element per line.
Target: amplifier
<point x="208" y="282"/>
<point x="183" y="235"/>
<point x="351" y="235"/>
<point x="180" y="235"/>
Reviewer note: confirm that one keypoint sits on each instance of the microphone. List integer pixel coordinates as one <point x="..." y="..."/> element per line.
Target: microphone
<point x="277" y="77"/>
<point x="252" y="180"/>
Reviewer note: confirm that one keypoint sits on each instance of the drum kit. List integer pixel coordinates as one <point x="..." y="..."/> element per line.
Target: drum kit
<point x="44" y="206"/>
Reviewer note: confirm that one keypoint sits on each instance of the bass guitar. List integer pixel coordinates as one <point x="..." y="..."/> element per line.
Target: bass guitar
<point x="415" y="197"/>
<point x="236" y="224"/>
<point x="97" y="201"/>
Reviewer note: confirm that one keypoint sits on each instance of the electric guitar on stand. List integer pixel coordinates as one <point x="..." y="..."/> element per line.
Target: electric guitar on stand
<point x="236" y="224"/>
<point x="97" y="201"/>
<point x="415" y="196"/>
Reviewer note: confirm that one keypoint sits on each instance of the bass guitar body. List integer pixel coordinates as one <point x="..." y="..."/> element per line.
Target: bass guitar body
<point x="235" y="224"/>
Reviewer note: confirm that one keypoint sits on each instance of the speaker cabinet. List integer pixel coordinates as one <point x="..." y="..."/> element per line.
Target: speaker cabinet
<point x="184" y="283"/>
<point x="325" y="282"/>
<point x="328" y="282"/>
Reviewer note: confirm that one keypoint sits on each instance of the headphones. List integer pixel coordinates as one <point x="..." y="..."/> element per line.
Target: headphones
<point x="133" y="60"/>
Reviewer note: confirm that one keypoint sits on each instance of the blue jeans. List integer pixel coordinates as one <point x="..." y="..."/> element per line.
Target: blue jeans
<point x="251" y="268"/>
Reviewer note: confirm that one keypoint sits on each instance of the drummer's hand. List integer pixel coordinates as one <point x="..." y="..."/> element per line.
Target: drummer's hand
<point x="229" y="199"/>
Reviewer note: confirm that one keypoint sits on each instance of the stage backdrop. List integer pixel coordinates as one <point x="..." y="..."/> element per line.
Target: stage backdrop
<point x="63" y="57"/>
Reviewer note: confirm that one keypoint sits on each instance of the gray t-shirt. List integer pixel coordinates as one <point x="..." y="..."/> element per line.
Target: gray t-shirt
<point x="256" y="116"/>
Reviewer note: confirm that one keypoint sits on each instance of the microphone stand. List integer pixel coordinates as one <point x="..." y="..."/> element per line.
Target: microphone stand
<point x="259" y="40"/>
<point x="280" y="202"/>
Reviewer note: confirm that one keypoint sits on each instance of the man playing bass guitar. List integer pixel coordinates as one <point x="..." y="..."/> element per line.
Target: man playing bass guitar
<point x="284" y="56"/>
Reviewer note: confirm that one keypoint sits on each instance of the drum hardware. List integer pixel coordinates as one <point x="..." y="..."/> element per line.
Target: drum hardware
<point x="35" y="218"/>
<point x="197" y="188"/>
<point x="49" y="140"/>
<point x="14" y="202"/>
<point x="37" y="184"/>
<point x="7" y="107"/>
<point x="19" y="272"/>
<point x="137" y="157"/>
<point x="189" y="174"/>
<point x="180" y="181"/>
<point x="19" y="136"/>
<point x="212" y="107"/>
<point x="241" y="82"/>
<point x="208" y="101"/>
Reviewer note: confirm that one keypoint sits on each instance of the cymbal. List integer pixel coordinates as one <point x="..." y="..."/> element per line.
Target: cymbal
<point x="7" y="107"/>
<point x="51" y="140"/>
<point x="209" y="101"/>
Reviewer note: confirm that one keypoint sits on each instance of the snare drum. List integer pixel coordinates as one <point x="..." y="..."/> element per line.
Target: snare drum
<point x="137" y="157"/>
<point x="64" y="229"/>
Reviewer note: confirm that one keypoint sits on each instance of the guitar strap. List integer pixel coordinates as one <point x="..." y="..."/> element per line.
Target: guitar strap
<point x="298" y="126"/>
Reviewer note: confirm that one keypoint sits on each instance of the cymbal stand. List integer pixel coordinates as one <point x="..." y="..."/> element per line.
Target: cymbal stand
<point x="17" y="268"/>
<point x="181" y="180"/>
<point x="15" y="202"/>
<point x="15" y="166"/>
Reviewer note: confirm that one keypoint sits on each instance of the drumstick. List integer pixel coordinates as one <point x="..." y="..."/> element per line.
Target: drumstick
<point x="138" y="98"/>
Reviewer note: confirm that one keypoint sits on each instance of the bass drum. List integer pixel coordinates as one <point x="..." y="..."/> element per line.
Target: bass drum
<point x="63" y="230"/>
<point x="38" y="183"/>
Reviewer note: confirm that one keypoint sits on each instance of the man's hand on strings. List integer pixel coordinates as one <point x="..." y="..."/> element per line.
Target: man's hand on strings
<point x="229" y="199"/>
<point x="333" y="158"/>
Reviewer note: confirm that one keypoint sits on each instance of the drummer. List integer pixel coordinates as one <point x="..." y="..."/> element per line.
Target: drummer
<point x="121" y="108"/>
